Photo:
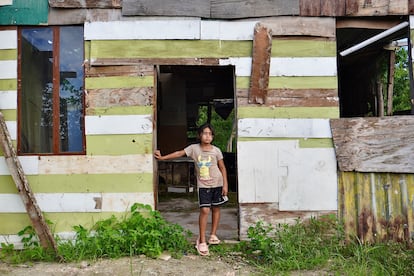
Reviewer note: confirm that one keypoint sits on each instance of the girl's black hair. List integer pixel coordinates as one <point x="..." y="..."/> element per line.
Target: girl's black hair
<point x="203" y="127"/>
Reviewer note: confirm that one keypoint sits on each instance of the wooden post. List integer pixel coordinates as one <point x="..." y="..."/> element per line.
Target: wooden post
<point x="259" y="80"/>
<point x="390" y="87"/>
<point x="35" y="214"/>
<point x="380" y="100"/>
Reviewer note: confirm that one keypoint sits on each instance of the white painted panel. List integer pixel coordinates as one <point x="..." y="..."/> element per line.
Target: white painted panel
<point x="6" y="2"/>
<point x="311" y="183"/>
<point x="12" y="128"/>
<point x="122" y="202"/>
<point x="183" y="28"/>
<point x="30" y="165"/>
<point x="8" y="69"/>
<point x="306" y="66"/>
<point x="8" y="39"/>
<point x="100" y="164"/>
<point x="8" y="99"/>
<point x="411" y="21"/>
<point x="243" y="65"/>
<point x="227" y="30"/>
<point x="118" y="124"/>
<point x="259" y="172"/>
<point x="286" y="128"/>
<point x="326" y="66"/>
<point x="77" y="202"/>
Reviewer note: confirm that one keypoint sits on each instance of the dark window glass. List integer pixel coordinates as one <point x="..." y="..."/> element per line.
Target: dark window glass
<point x="51" y="90"/>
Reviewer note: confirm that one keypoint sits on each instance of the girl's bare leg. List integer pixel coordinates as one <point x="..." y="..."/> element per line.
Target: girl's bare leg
<point x="215" y="219"/>
<point x="202" y="223"/>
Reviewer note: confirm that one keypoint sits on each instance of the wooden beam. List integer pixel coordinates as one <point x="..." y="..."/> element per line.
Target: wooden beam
<point x="390" y="88"/>
<point x="195" y="8"/>
<point x="29" y="201"/>
<point x="85" y="4"/>
<point x="259" y="80"/>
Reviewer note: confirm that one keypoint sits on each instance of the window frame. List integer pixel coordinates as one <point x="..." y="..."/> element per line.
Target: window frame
<point x="55" y="149"/>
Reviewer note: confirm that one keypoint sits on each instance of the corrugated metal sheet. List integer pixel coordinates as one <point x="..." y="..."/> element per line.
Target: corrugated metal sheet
<point x="25" y="12"/>
<point x="377" y="206"/>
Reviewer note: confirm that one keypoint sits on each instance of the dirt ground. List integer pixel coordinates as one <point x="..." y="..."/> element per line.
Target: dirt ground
<point x="193" y="265"/>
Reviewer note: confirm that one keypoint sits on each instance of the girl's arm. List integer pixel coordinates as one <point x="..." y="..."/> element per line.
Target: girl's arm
<point x="223" y="171"/>
<point x="176" y="154"/>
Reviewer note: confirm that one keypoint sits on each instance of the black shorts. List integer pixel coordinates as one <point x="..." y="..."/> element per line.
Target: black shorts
<point x="210" y="197"/>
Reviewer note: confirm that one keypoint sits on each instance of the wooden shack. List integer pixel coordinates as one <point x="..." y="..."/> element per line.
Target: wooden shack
<point x="295" y="73"/>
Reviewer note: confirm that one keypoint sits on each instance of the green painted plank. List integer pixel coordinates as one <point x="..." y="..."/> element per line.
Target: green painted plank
<point x="8" y="54"/>
<point x="169" y="48"/>
<point x="242" y="82"/>
<point x="119" y="82"/>
<point x="304" y="82"/>
<point x="9" y="114"/>
<point x="303" y="48"/>
<point x="82" y="183"/>
<point x="61" y="222"/>
<point x="8" y="84"/>
<point x="287" y="112"/>
<point x="303" y="143"/>
<point x="121" y="110"/>
<point x="119" y="144"/>
<point x="25" y="12"/>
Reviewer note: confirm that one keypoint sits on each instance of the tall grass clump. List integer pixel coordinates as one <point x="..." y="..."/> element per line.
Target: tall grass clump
<point x="321" y="245"/>
<point x="301" y="246"/>
<point x="141" y="231"/>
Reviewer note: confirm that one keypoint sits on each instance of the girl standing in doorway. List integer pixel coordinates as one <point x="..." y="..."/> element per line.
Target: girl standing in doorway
<point x="212" y="183"/>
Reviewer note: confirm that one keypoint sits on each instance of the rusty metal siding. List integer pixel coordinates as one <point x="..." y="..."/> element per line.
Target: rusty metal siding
<point x="377" y="206"/>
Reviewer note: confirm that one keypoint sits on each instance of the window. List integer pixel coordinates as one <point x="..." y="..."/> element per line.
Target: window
<point x="51" y="84"/>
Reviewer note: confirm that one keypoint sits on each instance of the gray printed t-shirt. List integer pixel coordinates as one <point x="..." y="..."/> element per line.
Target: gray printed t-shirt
<point x="206" y="165"/>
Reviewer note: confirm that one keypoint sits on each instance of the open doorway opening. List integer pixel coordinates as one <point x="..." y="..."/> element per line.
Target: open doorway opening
<point x="374" y="68"/>
<point x="187" y="97"/>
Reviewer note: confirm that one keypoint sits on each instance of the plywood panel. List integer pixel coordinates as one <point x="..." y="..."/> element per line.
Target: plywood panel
<point x="100" y="164"/>
<point x="383" y="144"/>
<point x="311" y="182"/>
<point x="259" y="173"/>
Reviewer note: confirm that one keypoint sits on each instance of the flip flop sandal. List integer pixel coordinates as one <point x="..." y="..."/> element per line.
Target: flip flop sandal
<point x="214" y="240"/>
<point x="202" y="248"/>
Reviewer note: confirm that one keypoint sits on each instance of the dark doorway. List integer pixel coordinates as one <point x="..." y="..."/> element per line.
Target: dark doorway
<point x="188" y="96"/>
<point x="366" y="58"/>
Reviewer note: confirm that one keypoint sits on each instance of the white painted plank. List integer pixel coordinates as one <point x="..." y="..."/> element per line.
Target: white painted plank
<point x="30" y="165"/>
<point x="122" y="202"/>
<point x="227" y="30"/>
<point x="289" y="66"/>
<point x="77" y="202"/>
<point x="166" y="28"/>
<point x="99" y="164"/>
<point x="284" y="128"/>
<point x="411" y="22"/>
<point x="259" y="173"/>
<point x="307" y="66"/>
<point x="8" y="99"/>
<point x="8" y="69"/>
<point x="118" y="124"/>
<point x="311" y="183"/>
<point x="12" y="128"/>
<point x="8" y="39"/>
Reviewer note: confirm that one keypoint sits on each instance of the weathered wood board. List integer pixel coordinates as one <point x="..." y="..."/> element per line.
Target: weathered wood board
<point x="383" y="144"/>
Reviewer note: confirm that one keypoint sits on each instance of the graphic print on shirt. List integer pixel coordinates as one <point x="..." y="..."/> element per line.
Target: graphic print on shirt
<point x="204" y="166"/>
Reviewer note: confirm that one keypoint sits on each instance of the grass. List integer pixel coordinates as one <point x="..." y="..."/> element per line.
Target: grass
<point x="316" y="245"/>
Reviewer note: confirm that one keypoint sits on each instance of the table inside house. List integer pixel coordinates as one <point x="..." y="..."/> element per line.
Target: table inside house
<point x="176" y="175"/>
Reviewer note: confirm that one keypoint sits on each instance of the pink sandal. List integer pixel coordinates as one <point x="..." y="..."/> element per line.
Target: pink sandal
<point x="214" y="240"/>
<point x="202" y="248"/>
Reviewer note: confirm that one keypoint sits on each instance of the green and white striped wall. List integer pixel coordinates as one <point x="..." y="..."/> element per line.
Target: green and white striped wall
<point x="281" y="149"/>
